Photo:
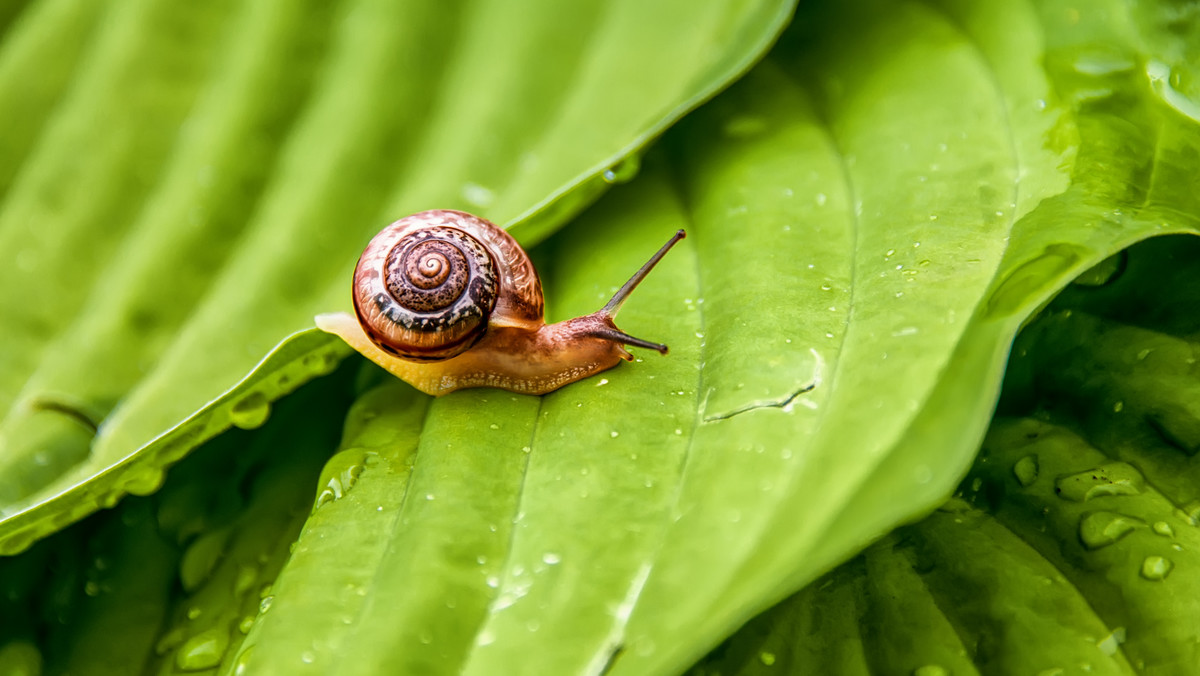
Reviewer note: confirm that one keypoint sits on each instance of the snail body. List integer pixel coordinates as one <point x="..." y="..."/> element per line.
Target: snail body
<point x="445" y="300"/>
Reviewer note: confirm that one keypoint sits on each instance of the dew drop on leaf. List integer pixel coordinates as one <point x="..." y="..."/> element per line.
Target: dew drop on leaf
<point x="623" y="171"/>
<point x="1026" y="470"/>
<point x="1111" y="643"/>
<point x="240" y="666"/>
<point x="320" y="363"/>
<point x="144" y="481"/>
<point x="1117" y="478"/>
<point x="1156" y="567"/>
<point x="1100" y="529"/>
<point x="250" y="411"/>
<point x="202" y="651"/>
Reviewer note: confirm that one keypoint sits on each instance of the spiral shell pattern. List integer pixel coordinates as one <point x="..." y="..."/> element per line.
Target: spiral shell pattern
<point x="423" y="290"/>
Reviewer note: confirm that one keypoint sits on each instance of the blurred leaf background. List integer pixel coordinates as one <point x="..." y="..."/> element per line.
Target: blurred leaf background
<point x="881" y="195"/>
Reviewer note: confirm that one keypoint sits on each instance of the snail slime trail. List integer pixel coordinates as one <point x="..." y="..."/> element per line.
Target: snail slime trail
<point x="445" y="301"/>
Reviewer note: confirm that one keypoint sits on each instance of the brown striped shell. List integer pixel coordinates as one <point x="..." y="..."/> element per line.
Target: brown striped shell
<point x="427" y="286"/>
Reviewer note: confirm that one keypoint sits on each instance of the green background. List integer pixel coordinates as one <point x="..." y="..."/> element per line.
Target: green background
<point x="878" y="196"/>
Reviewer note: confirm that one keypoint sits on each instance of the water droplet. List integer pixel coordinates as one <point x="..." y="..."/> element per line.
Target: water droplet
<point x="614" y="434"/>
<point x="328" y="495"/>
<point x="1118" y="407"/>
<point x="623" y="171"/>
<point x="320" y="363"/>
<point x="931" y="670"/>
<point x="1156" y="568"/>
<point x="250" y="411"/>
<point x="821" y="199"/>
<point x="16" y="543"/>
<point x="1163" y="528"/>
<point x="202" y="651"/>
<point x="976" y="484"/>
<point x="241" y="665"/>
<point x="1143" y="354"/>
<point x="246" y="624"/>
<point x="494" y="426"/>
<point x="429" y="496"/>
<point x="265" y="604"/>
<point x="602" y="382"/>
<point x="1026" y="470"/>
<point x="551" y="558"/>
<point x="201" y="557"/>
<point x="1117" y="478"/>
<point x="493" y="581"/>
<point x="1100" y="529"/>
<point x="768" y="659"/>
<point x="144" y="481"/>
<point x="1109" y="644"/>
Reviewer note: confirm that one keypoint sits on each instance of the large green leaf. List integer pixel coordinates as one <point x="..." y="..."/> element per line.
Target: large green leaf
<point x="1071" y="546"/>
<point x="186" y="186"/>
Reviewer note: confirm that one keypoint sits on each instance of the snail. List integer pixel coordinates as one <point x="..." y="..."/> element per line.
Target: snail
<point x="446" y="300"/>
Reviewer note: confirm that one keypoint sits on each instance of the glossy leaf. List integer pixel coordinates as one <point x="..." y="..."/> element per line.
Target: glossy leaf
<point x="1070" y="546"/>
<point x="185" y="187"/>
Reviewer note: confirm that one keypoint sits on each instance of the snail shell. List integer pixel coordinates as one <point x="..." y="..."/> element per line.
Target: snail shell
<point x="445" y="300"/>
<point x="427" y="285"/>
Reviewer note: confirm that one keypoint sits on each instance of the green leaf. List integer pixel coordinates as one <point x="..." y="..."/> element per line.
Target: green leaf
<point x="172" y="580"/>
<point x="1071" y="543"/>
<point x="185" y="187"/>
